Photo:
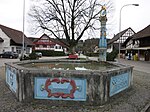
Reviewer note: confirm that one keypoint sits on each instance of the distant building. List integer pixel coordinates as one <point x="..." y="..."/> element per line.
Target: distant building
<point x="113" y="44"/>
<point x="47" y="43"/>
<point x="139" y="44"/>
<point x="11" y="40"/>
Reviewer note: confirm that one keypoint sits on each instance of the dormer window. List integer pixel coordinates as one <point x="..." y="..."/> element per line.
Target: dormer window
<point x="1" y="40"/>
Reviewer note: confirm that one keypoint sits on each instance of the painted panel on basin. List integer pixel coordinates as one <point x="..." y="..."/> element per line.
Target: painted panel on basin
<point x="60" y="89"/>
<point x="11" y="78"/>
<point x="119" y="83"/>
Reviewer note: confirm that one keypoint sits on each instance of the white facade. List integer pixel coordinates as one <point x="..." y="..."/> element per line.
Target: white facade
<point x="5" y="45"/>
<point x="56" y="47"/>
<point x="130" y="44"/>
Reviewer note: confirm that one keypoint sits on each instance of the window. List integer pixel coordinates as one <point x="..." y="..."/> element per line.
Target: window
<point x="40" y="46"/>
<point x="52" y="46"/>
<point x="45" y="46"/>
<point x="37" y="45"/>
<point x="59" y="47"/>
<point x="12" y="49"/>
<point x="18" y="50"/>
<point x="27" y="50"/>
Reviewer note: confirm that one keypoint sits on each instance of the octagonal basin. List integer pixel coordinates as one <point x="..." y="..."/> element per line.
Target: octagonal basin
<point x="86" y="82"/>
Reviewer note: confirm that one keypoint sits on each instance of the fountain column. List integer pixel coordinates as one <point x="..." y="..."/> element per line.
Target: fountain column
<point x="103" y="41"/>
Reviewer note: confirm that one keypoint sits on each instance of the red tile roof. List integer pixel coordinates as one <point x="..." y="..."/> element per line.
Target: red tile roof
<point x="51" y="42"/>
<point x="142" y="33"/>
<point x="15" y="35"/>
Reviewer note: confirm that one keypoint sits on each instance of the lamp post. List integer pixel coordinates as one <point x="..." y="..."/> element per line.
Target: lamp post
<point x="120" y="23"/>
<point x="23" y="46"/>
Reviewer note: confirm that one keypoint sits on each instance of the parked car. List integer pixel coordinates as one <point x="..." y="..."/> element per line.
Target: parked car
<point x="39" y="54"/>
<point x="9" y="54"/>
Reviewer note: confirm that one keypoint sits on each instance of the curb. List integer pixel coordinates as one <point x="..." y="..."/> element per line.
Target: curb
<point x="145" y="108"/>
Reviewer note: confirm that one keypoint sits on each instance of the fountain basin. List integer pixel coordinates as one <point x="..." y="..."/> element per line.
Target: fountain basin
<point x="87" y="82"/>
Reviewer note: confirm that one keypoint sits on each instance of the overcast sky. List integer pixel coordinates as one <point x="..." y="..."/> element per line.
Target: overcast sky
<point x="11" y="14"/>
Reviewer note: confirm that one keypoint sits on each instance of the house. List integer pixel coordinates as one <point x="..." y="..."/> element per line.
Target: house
<point x="47" y="43"/>
<point x="11" y="40"/>
<point x="120" y="37"/>
<point x="139" y="44"/>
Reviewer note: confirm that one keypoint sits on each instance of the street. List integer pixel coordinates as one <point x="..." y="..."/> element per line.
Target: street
<point x="6" y="60"/>
<point x="143" y="66"/>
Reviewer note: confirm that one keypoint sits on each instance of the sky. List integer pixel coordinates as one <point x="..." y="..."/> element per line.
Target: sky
<point x="11" y="15"/>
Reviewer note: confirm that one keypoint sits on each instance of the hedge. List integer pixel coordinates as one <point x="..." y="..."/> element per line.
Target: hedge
<point x="91" y="54"/>
<point x="50" y="53"/>
<point x="111" y="56"/>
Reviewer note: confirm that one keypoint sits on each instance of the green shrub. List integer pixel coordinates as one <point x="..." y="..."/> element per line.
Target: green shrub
<point x="91" y="54"/>
<point x="111" y="56"/>
<point x="33" y="56"/>
<point x="51" y="53"/>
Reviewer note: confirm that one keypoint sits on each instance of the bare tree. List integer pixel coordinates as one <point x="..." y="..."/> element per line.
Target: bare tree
<point x="67" y="18"/>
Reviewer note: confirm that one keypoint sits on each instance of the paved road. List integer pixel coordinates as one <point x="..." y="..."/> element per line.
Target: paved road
<point x="5" y="60"/>
<point x="143" y="66"/>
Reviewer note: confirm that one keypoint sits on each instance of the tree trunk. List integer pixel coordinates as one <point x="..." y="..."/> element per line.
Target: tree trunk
<point x="72" y="50"/>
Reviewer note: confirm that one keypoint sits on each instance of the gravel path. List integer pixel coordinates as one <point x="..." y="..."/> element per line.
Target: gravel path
<point x="133" y="100"/>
